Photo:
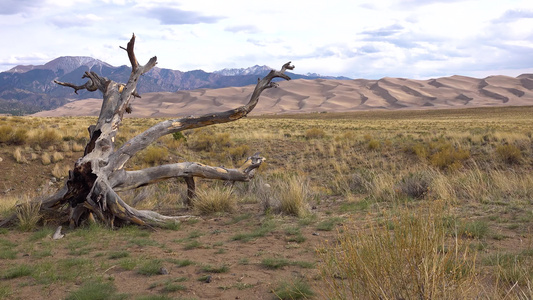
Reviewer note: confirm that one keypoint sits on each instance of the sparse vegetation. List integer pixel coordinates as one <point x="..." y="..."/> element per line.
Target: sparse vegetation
<point x="474" y="164"/>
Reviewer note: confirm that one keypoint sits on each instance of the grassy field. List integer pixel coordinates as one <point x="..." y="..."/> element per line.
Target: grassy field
<point x="432" y="204"/>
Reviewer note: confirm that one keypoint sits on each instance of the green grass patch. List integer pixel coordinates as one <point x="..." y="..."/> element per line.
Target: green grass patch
<point x="118" y="254"/>
<point x="7" y="244"/>
<point x="265" y="228"/>
<point x="215" y="269"/>
<point x="194" y="244"/>
<point x="154" y="297"/>
<point x="475" y="229"/>
<point x="329" y="224"/>
<point x="239" y="218"/>
<point x="172" y="226"/>
<point x="17" y="271"/>
<point x="41" y="234"/>
<point x="294" y="235"/>
<point x="194" y="234"/>
<point x="127" y="263"/>
<point x="96" y="290"/>
<point x="307" y="220"/>
<point x="150" y="267"/>
<point x="8" y="254"/>
<point x="181" y="262"/>
<point x="42" y="253"/>
<point x="133" y="231"/>
<point x="173" y="287"/>
<point x="279" y="262"/>
<point x="355" y="206"/>
<point x="297" y="289"/>
<point x="141" y="242"/>
<point x="5" y="291"/>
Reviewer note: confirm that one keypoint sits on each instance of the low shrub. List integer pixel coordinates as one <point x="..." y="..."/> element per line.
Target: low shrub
<point x="374" y="145"/>
<point x="509" y="154"/>
<point x="449" y="158"/>
<point x="239" y="152"/>
<point x="315" y="133"/>
<point x="415" y="185"/>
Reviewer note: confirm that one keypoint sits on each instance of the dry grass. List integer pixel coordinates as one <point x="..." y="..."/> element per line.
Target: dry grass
<point x="28" y="214"/>
<point x="45" y="137"/>
<point x="410" y="258"/>
<point x="294" y="196"/>
<point x="208" y="140"/>
<point x="46" y="159"/>
<point x="19" y="156"/>
<point x="364" y="166"/>
<point x="7" y="205"/>
<point x="57" y="157"/>
<point x="153" y="155"/>
<point x="77" y="147"/>
<point x="214" y="200"/>
<point x="60" y="171"/>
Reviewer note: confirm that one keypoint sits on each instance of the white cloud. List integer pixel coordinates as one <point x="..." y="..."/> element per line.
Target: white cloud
<point x="338" y="37"/>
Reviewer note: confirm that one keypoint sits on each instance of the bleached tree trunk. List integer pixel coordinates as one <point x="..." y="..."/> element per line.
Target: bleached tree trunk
<point x="92" y="185"/>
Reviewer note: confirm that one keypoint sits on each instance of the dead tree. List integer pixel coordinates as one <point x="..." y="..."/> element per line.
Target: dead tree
<point x="90" y="192"/>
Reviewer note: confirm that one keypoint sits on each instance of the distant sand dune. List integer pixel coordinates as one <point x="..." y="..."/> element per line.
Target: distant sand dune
<point x="328" y="95"/>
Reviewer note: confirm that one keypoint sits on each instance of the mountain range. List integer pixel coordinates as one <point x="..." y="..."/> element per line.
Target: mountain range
<point x="29" y="89"/>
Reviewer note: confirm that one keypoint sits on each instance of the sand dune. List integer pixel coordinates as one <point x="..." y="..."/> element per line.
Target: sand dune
<point x="328" y="95"/>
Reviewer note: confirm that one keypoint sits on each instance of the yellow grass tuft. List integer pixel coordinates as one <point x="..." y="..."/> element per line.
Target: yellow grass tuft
<point x="46" y="159"/>
<point x="28" y="214"/>
<point x="154" y="155"/>
<point x="19" y="156"/>
<point x="216" y="199"/>
<point x="57" y="157"/>
<point x="60" y="171"/>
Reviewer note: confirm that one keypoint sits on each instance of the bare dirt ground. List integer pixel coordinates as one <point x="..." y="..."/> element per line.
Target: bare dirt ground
<point x="204" y="241"/>
<point x="246" y="277"/>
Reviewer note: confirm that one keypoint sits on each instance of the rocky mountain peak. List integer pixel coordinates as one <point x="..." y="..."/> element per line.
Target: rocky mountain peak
<point x="65" y="63"/>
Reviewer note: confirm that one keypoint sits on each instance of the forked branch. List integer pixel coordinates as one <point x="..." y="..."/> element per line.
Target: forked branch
<point x="143" y="140"/>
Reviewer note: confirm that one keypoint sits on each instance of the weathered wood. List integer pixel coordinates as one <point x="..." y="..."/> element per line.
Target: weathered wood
<point x="91" y="189"/>
<point x="191" y="189"/>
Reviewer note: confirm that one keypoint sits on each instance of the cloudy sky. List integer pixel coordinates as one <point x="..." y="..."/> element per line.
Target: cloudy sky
<point x="358" y="39"/>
